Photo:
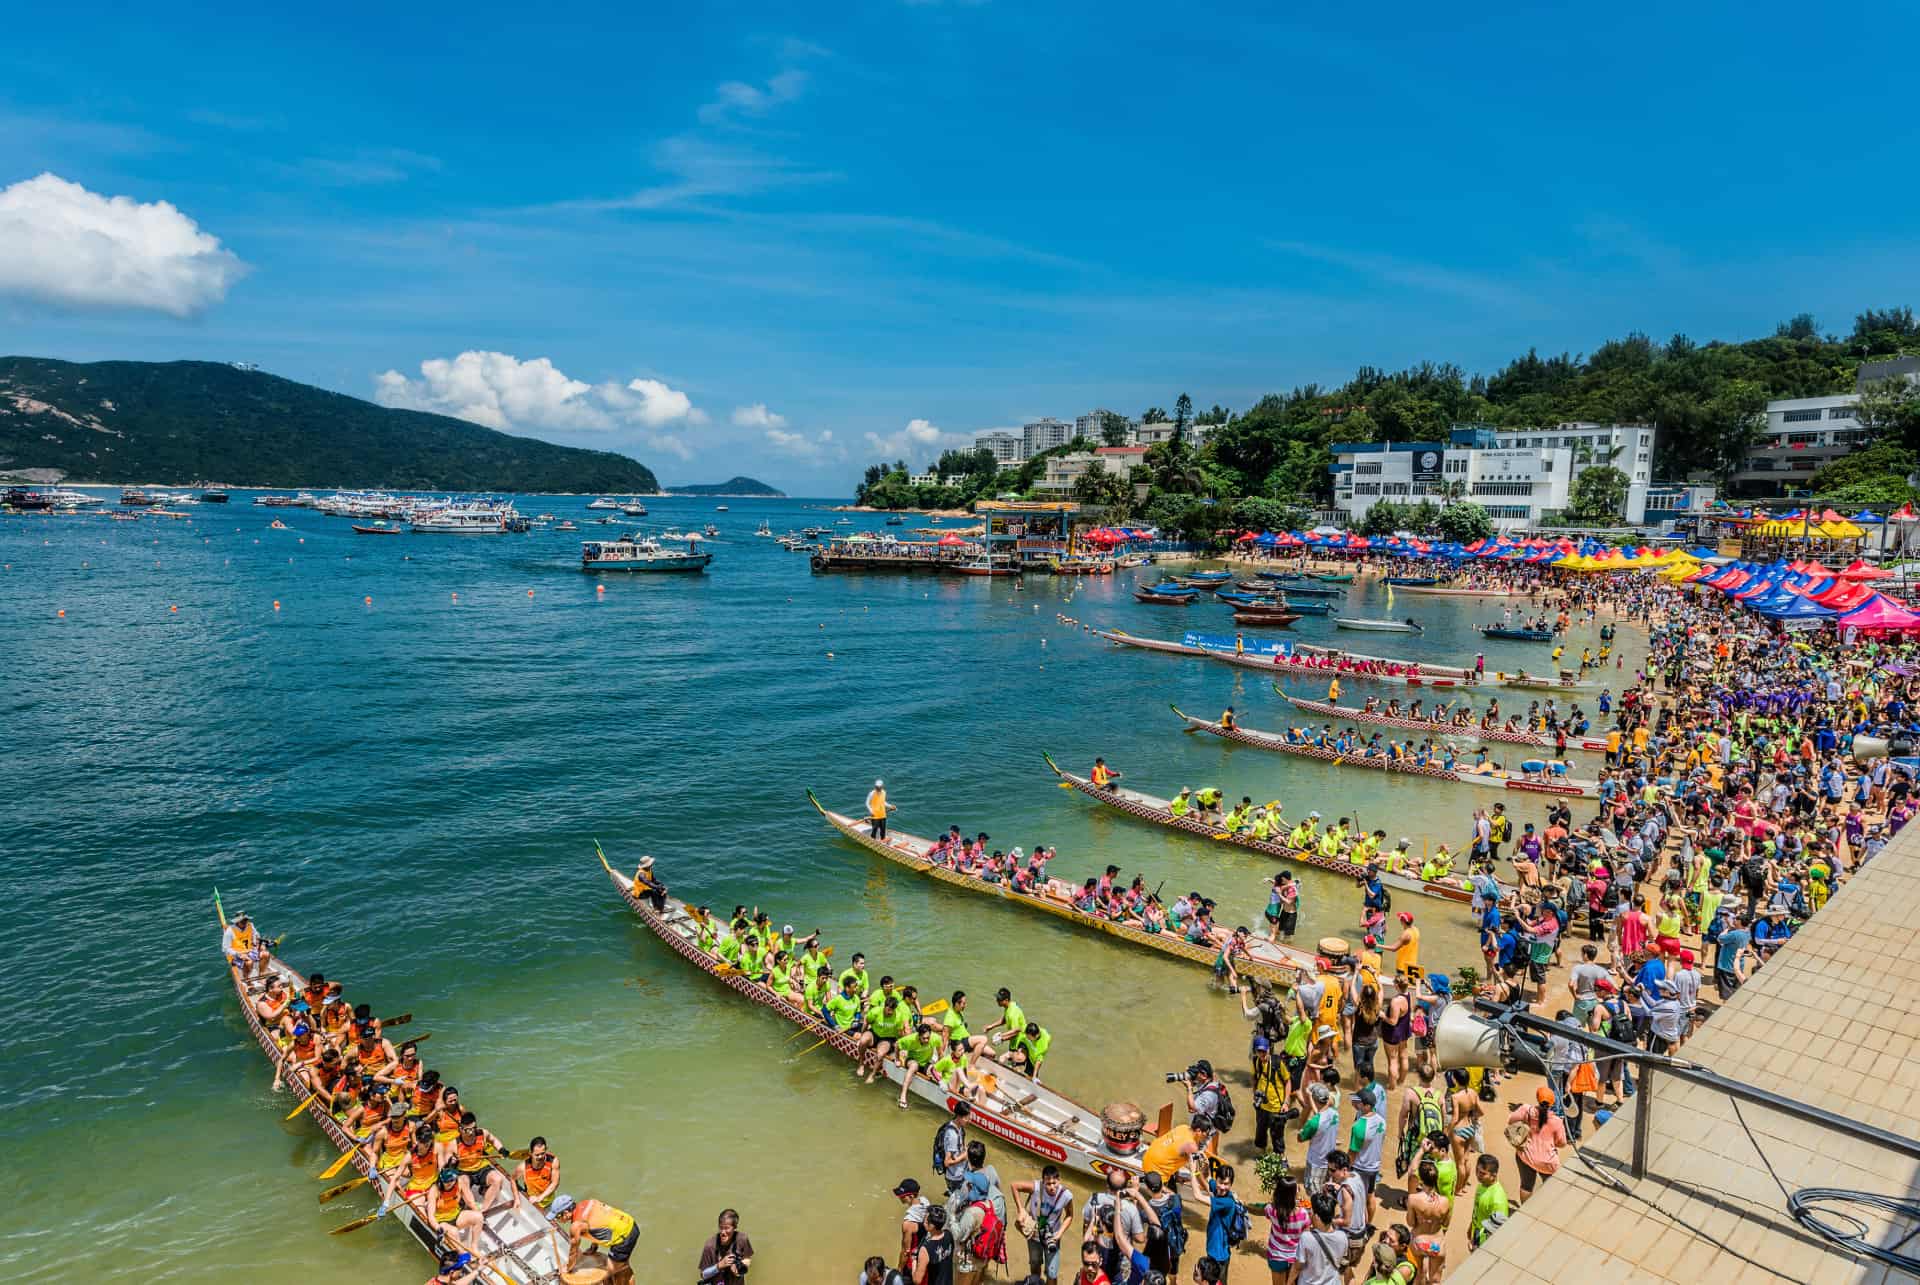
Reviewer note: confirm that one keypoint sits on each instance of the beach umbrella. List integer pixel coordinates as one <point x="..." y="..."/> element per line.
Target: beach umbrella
<point x="949" y="540"/>
<point x="1867" y="516"/>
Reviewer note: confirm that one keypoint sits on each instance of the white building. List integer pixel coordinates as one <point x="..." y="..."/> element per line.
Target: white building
<point x="1006" y="446"/>
<point x="1064" y="470"/>
<point x="1154" y="434"/>
<point x="1044" y="435"/>
<point x="1092" y="424"/>
<point x="1518" y="486"/>
<point x="1805" y="434"/>
<point x="924" y="479"/>
<point x="1627" y="447"/>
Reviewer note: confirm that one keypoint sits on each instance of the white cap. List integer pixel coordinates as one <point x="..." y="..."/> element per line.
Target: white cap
<point x="1313" y="814"/>
<point x="787" y="930"/>
<point x="1405" y="842"/>
<point x="879" y="784"/>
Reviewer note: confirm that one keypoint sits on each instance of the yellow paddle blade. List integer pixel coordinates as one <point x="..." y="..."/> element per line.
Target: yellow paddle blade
<point x="1066" y="785"/>
<point x="725" y="970"/>
<point x="333" y="1170"/>
<point x="304" y="1105"/>
<point x="990" y="1082"/>
<point x="355" y="1225"/>
<point x="936" y="1008"/>
<point x="332" y="1192"/>
<point x="810" y="1048"/>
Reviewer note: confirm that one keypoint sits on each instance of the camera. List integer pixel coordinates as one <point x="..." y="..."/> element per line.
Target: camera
<point x="1179" y="1077"/>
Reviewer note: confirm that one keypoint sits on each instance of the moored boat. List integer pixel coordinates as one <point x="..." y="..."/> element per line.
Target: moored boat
<point x="632" y="553"/>
<point x="1015" y="1109"/>
<point x="1164" y="598"/>
<point x="1497" y="778"/>
<point x="1472" y="731"/>
<point x="378" y="528"/>
<point x="1516" y="635"/>
<point x="1254" y="599"/>
<point x="1305" y="588"/>
<point x="517" y="1240"/>
<point x="1274" y="619"/>
<point x="1461" y="591"/>
<point x="984" y="567"/>
<point x="1269" y="960"/>
<point x="1409" y="582"/>
<point x="1080" y="566"/>
<point x="1146" y="807"/>
<point x="1567" y="682"/>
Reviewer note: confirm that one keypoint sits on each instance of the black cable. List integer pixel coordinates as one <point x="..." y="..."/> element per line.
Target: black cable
<point x="1843" y="1229"/>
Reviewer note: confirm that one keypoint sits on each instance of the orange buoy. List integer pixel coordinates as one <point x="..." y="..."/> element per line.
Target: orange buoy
<point x="369" y="600"/>
<point x="599" y="588"/>
<point x="62" y="613"/>
<point x="529" y="593"/>
<point x="175" y="607"/>
<point x="276" y="604"/>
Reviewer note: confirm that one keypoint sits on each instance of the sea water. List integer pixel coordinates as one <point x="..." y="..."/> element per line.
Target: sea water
<point x="398" y="752"/>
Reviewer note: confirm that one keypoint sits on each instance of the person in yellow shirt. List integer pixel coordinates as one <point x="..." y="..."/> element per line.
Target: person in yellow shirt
<point x="877" y="809"/>
<point x="1333" y="690"/>
<point x="1406" y="951"/>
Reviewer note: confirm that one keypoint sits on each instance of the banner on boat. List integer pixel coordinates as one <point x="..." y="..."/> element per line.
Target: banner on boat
<point x="1224" y="642"/>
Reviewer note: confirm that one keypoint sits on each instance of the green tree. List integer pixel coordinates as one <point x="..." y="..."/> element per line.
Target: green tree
<point x="1599" y="493"/>
<point x="1113" y="428"/>
<point x="1465" y="522"/>
<point x="1731" y="421"/>
<point x="1109" y="491"/>
<point x="1153" y="415"/>
<point x="1383" y="517"/>
<point x="1182" y="416"/>
<point x="1890" y="412"/>
<point x="1256" y="513"/>
<point x="1875" y="475"/>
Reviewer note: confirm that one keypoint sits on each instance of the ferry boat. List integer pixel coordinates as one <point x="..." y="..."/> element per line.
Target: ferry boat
<point x="634" y="553"/>
<point x="463" y="520"/>
<point x="133" y="497"/>
<point x="604" y="502"/>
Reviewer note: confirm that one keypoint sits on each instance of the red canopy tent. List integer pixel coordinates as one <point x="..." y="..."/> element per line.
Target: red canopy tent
<point x="948" y="540"/>
<point x="1843" y="595"/>
<point x="1859" y="570"/>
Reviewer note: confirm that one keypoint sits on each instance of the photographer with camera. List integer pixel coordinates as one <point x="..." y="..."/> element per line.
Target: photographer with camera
<point x="1205" y="1094"/>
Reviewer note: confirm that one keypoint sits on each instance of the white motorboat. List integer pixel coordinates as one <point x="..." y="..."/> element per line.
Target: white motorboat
<point x="604" y="502"/>
<point x="464" y="519"/>
<point x="1378" y="626"/>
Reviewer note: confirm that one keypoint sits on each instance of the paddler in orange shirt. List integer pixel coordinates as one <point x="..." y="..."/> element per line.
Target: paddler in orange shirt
<point x="877" y="810"/>
<point x="539" y="1174"/>
<point x="1104" y="777"/>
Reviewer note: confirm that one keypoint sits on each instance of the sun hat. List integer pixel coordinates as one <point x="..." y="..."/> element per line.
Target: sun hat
<point x="1543" y="1095"/>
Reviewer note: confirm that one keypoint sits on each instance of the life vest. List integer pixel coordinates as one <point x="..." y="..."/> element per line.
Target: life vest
<point x="425" y="1100"/>
<point x="446" y="1203"/>
<point x="446" y="1125"/>
<point x="393" y="1149"/>
<point x="538" y="1178"/>
<point x="243" y="940"/>
<point x="471" y="1154"/>
<point x="303" y="1047"/>
<point x="316" y="996"/>
<point x="373" y="1057"/>
<point x="1101" y="775"/>
<point x="335" y="1016"/>
<point x="422" y="1169"/>
<point x="408" y="1075"/>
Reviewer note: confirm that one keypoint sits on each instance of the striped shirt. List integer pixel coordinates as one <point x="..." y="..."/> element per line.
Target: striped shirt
<point x="1283" y="1234"/>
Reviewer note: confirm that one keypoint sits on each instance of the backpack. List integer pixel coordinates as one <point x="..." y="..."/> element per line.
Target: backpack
<point x="1428" y="1115"/>
<point x="1173" y="1228"/>
<point x="1223" y="1114"/>
<point x="1754" y="872"/>
<point x="990" y="1245"/>
<point x="1235" y="1223"/>
<point x="940" y="1148"/>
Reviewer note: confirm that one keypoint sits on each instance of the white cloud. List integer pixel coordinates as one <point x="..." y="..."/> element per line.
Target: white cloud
<point x="798" y="445"/>
<point x="758" y="416"/>
<point x="920" y="442"/>
<point x="63" y="245"/>
<point x="736" y="98"/>
<point x="366" y="167"/>
<point x="501" y="391"/>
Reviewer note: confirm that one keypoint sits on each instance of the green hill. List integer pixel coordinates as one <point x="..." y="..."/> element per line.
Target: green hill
<point x="181" y="422"/>
<point x="731" y="487"/>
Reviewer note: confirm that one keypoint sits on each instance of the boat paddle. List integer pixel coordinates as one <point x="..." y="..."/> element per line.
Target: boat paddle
<point x="934" y="1009"/>
<point x="333" y="1170"/>
<point x="305" y="1103"/>
<point x="386" y="1203"/>
<point x="332" y="1193"/>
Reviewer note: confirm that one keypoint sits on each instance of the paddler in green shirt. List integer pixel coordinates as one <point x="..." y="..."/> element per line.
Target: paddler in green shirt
<point x="780" y="977"/>
<point x="1239" y="818"/>
<point x="753" y="959"/>
<point x="953" y="1074"/>
<point x="919" y="1049"/>
<point x="703" y="929"/>
<point x="1209" y="800"/>
<point x="819" y="990"/>
<point x="887" y="1018"/>
<point x="1182" y="802"/>
<point x="1263" y="825"/>
<point x="730" y="948"/>
<point x="954" y="1020"/>
<point x="1329" y="844"/>
<point x="1301" y="836"/>
<point x="1012" y="1019"/>
<point x="857" y="973"/>
<point x="813" y="959"/>
<point x="843" y="1006"/>
<point x="1030" y="1047"/>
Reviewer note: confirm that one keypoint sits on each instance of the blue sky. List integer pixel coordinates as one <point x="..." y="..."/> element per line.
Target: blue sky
<point x="787" y="240"/>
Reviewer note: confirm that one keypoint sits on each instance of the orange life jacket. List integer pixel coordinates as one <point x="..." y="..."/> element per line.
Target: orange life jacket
<point x="539" y="1177"/>
<point x="424" y="1167"/>
<point x="446" y="1203"/>
<point x="471" y="1154"/>
<point x="373" y="1057"/>
<point x="426" y="1100"/>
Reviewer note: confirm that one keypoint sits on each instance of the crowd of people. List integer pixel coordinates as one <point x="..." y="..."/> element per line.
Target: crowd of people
<point x="1729" y="812"/>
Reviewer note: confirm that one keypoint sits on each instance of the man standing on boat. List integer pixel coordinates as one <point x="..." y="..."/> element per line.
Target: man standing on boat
<point x="877" y="809"/>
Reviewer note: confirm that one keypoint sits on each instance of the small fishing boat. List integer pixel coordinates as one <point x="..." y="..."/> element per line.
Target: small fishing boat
<point x="133" y="497"/>
<point x="517" y="1240"/>
<point x="565" y="525"/>
<point x="719" y="508"/>
<point x="1253" y="616"/>
<point x="1159" y="811"/>
<point x="763" y="530"/>
<point x="377" y="528"/>
<point x="1465" y="732"/>
<point x="1307" y="589"/>
<point x="984" y="567"/>
<point x="1331" y="579"/>
<point x="1014" y="1109"/>
<point x="1310" y="607"/>
<point x="1080" y="567"/>
<point x="214" y="495"/>
<point x="1243" y="599"/>
<point x="1207" y="580"/>
<point x="1378" y="626"/>
<point x="896" y="520"/>
<point x="710" y="530"/>
<point x="633" y="553"/>
<point x="1270" y="960"/>
<point x="1182" y="599"/>
<point x="1407" y="582"/>
<point x="633" y="508"/>
<point x="1535" y="776"/>
<point x="1516" y="635"/>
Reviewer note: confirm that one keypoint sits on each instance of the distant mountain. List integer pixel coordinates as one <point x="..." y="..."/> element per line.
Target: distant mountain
<point x="181" y="422"/>
<point x="732" y="486"/>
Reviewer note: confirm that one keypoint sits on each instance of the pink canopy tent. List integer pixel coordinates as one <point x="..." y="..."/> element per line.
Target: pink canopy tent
<point x="1880" y="614"/>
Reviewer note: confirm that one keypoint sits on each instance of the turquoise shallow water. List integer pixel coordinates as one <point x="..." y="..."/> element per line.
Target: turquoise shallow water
<point x="409" y="789"/>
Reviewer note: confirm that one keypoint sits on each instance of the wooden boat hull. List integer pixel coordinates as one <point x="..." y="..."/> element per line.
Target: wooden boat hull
<point x="1146" y="807"/>
<point x="1530" y="683"/>
<point x="375" y="530"/>
<point x="1308" y="589"/>
<point x="1241" y="598"/>
<point x="1280" y="745"/>
<point x="1454" y="591"/>
<point x="984" y="571"/>
<point x="1080" y="568"/>
<point x="1271" y="961"/>
<point x="1165" y="599"/>
<point x="523" y="1245"/>
<point x="1030" y="1116"/>
<point x="1266" y="663"/>
<point x="1275" y="619"/>
<point x="1471" y="733"/>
